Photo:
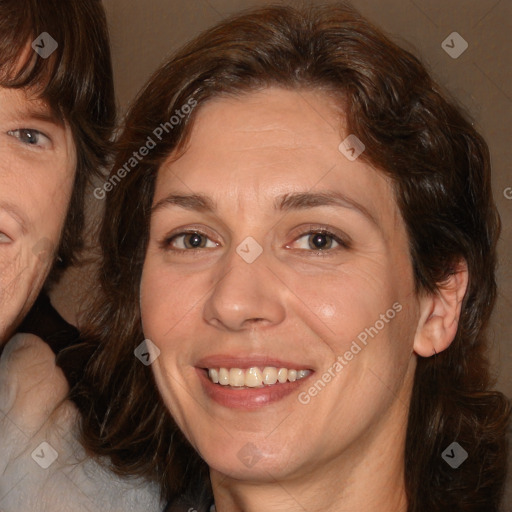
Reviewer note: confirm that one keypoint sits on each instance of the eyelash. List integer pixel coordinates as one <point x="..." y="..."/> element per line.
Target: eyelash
<point x="165" y="244"/>
<point x="17" y="134"/>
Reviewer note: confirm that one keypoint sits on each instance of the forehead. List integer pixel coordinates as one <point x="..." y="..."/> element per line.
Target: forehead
<point x="264" y="144"/>
<point x="27" y="104"/>
<point x="273" y="118"/>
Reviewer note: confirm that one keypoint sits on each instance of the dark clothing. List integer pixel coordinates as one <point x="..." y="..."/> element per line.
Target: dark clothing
<point x="183" y="505"/>
<point x="197" y="496"/>
<point x="44" y="321"/>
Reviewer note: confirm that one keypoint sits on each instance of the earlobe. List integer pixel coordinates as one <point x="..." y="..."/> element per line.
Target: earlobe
<point x="440" y="313"/>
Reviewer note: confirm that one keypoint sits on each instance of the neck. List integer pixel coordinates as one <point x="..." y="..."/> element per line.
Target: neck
<point x="313" y="497"/>
<point x="367" y="476"/>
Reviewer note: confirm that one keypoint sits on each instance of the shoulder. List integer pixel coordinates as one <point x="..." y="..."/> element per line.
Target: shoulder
<point x="31" y="384"/>
<point x="43" y="467"/>
<point x="32" y="396"/>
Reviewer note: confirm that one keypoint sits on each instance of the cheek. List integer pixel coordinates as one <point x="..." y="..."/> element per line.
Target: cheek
<point x="163" y="302"/>
<point x="361" y="312"/>
<point x="343" y="302"/>
<point x="53" y="205"/>
<point x="22" y="275"/>
<point x="45" y="198"/>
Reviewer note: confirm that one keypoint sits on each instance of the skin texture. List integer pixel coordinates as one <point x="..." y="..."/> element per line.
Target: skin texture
<point x="36" y="179"/>
<point x="292" y="303"/>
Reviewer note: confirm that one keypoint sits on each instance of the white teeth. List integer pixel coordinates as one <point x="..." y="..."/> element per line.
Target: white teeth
<point x="254" y="377"/>
<point x="224" y="377"/>
<point x="282" y="375"/>
<point x="214" y="375"/>
<point x="236" y="377"/>
<point x="269" y="375"/>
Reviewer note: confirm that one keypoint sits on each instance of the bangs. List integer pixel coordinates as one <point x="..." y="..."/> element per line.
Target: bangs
<point x="20" y="65"/>
<point x="71" y="79"/>
<point x="25" y="71"/>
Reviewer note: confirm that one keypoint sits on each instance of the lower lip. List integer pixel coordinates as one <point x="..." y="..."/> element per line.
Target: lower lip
<point x="248" y="398"/>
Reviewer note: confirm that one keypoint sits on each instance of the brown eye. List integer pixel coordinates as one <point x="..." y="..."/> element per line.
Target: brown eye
<point x="194" y="240"/>
<point x="320" y="241"/>
<point x="189" y="241"/>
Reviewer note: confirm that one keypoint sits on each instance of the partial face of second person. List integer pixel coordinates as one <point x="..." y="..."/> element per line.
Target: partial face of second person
<point x="334" y="260"/>
<point x="37" y="168"/>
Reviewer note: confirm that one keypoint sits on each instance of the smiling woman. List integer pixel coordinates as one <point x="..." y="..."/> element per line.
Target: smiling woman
<point x="262" y="240"/>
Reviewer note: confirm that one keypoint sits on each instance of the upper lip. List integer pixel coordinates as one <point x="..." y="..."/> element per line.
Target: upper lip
<point x="248" y="361"/>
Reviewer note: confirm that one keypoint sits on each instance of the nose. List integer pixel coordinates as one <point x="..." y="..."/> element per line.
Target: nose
<point x="248" y="295"/>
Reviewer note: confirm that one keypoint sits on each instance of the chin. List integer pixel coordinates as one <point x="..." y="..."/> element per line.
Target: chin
<point x="245" y="461"/>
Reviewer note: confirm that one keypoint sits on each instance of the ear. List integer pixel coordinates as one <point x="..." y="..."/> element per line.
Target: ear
<point x="440" y="313"/>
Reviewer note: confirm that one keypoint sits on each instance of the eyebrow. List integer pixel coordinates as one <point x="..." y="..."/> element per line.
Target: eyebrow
<point x="45" y="114"/>
<point x="299" y="201"/>
<point x="283" y="203"/>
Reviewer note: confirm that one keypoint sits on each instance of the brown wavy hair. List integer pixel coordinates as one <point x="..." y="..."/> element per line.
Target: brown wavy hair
<point x="76" y="82"/>
<point x="440" y="169"/>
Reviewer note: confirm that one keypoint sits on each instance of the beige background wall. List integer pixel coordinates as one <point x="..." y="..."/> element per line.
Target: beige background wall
<point x="145" y="32"/>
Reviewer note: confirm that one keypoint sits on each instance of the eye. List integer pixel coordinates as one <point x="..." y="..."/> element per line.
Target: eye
<point x="4" y="239"/>
<point x="319" y="240"/>
<point x="31" y="137"/>
<point x="188" y="240"/>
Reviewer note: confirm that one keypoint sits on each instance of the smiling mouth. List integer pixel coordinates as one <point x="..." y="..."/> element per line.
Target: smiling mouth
<point x="254" y="377"/>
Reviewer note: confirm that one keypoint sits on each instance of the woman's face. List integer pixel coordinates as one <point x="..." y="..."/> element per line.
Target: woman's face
<point x="274" y="256"/>
<point x="37" y="168"/>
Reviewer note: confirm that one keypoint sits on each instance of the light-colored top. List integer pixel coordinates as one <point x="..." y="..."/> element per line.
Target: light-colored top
<point x="43" y="467"/>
